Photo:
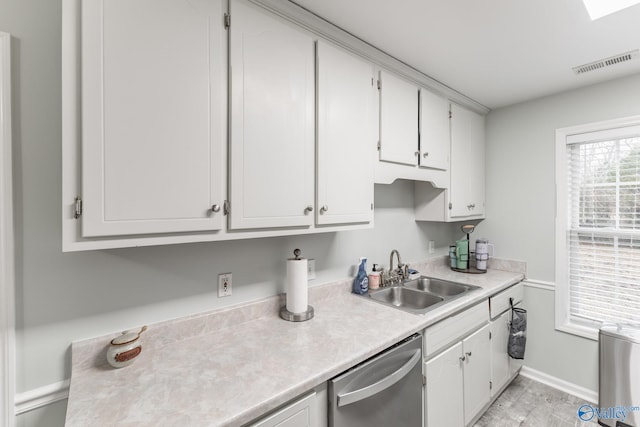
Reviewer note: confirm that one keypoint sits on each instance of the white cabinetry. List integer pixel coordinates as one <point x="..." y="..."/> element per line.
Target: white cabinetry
<point x="346" y="136"/>
<point x="398" y="120"/>
<point x="500" y="365"/>
<point x="503" y="367"/>
<point x="297" y="414"/>
<point x="153" y="109"/>
<point x="466" y="194"/>
<point x="464" y="197"/>
<point x="458" y="381"/>
<point x="444" y="392"/>
<point x="435" y="142"/>
<point x="272" y="121"/>
<point x="476" y="358"/>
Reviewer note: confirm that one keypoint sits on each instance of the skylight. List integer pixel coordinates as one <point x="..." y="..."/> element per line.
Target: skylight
<point x="599" y="8"/>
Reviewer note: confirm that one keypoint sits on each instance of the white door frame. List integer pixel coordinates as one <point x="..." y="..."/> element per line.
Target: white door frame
<point x="7" y="265"/>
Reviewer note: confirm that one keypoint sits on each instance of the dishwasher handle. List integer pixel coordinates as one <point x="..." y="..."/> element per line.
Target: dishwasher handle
<point x="345" y="399"/>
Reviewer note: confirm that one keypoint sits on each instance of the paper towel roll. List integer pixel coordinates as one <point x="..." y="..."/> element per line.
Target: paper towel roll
<point x="297" y="285"/>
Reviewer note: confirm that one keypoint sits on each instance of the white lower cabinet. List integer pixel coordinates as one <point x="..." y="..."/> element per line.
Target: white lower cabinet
<point x="500" y="360"/>
<point x="477" y="378"/>
<point x="458" y="381"/>
<point x="467" y="364"/>
<point x="443" y="393"/>
<point x="310" y="410"/>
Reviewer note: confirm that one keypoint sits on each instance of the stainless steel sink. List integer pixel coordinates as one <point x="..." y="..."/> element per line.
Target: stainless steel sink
<point x="440" y="287"/>
<point x="399" y="296"/>
<point x="421" y="295"/>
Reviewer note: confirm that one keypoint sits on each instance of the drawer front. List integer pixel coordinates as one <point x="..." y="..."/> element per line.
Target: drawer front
<point x="499" y="303"/>
<point x="441" y="334"/>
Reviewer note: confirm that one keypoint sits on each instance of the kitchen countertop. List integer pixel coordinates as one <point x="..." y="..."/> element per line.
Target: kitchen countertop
<point x="231" y="366"/>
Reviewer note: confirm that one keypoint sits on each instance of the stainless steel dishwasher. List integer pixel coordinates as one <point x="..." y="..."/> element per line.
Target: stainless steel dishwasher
<point x="385" y="390"/>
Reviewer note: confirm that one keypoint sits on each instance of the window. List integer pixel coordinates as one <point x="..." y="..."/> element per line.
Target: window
<point x="598" y="225"/>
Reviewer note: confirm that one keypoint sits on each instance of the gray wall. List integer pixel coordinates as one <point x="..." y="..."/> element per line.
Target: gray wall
<point x="66" y="297"/>
<point x="521" y="208"/>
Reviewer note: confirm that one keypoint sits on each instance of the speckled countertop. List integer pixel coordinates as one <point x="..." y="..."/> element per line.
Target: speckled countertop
<point x="230" y="366"/>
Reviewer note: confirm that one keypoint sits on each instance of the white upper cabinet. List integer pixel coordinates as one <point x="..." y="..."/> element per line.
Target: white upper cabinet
<point x="272" y="121"/>
<point x="464" y="197"/>
<point x="398" y="120"/>
<point x="346" y="136"/>
<point x="435" y="142"/>
<point x="153" y="109"/>
<point x="466" y="194"/>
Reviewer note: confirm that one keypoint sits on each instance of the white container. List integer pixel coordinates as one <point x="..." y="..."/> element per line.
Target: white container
<point x="124" y="349"/>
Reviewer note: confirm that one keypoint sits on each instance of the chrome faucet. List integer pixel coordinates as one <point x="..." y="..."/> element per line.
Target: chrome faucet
<point x="395" y="251"/>
<point x="395" y="276"/>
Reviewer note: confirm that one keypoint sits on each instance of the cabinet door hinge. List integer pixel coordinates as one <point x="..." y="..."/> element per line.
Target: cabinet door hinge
<point x="450" y="114"/>
<point x="77" y="209"/>
<point x="379" y="84"/>
<point x="489" y="335"/>
<point x="372" y="79"/>
<point x="490" y="385"/>
<point x="226" y="207"/>
<point x="227" y="21"/>
<point x="450" y="206"/>
<point x="424" y="380"/>
<point x="378" y="145"/>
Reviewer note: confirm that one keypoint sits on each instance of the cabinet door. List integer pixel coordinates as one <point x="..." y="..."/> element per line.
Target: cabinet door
<point x="477" y="350"/>
<point x="500" y="367"/>
<point x="272" y="121"/>
<point x="444" y="394"/>
<point x="466" y="194"/>
<point x="346" y="137"/>
<point x="435" y="143"/>
<point x="398" y="120"/>
<point x="300" y="413"/>
<point x="153" y="109"/>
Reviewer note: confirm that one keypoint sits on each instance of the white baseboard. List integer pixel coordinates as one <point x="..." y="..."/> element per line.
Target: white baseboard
<point x="588" y="395"/>
<point x="41" y="396"/>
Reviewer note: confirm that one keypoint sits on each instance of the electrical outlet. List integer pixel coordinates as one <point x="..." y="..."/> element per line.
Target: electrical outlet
<point x="432" y="246"/>
<point x="311" y="269"/>
<point x="224" y="285"/>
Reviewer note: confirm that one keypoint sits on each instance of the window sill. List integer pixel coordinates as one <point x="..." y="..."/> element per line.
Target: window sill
<point x="589" y="332"/>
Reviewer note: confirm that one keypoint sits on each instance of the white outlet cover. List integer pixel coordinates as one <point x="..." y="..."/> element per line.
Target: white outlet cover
<point x="224" y="285"/>
<point x="311" y="269"/>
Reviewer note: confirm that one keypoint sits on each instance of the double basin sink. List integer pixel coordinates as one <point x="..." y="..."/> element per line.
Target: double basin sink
<point x="421" y="295"/>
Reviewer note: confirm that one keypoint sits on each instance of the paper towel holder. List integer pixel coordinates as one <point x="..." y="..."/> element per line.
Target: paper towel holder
<point x="296" y="317"/>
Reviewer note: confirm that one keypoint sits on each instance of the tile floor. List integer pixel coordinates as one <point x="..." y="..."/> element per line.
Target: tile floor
<point x="528" y="403"/>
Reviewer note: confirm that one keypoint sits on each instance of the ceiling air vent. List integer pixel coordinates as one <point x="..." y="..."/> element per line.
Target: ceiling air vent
<point x="602" y="63"/>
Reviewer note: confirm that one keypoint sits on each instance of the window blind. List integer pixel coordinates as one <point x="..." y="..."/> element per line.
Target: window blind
<point x="603" y="236"/>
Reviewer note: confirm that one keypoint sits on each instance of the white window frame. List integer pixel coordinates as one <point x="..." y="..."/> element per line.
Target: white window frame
<point x="563" y="322"/>
<point x="7" y="274"/>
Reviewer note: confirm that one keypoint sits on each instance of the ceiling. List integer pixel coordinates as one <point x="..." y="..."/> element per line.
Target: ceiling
<point x="497" y="52"/>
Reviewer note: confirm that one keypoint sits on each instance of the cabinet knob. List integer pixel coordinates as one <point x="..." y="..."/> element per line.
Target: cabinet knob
<point x="418" y="153"/>
<point x="468" y="353"/>
<point x="462" y="359"/>
<point x="426" y="154"/>
<point x="215" y="208"/>
<point x="308" y="209"/>
<point x="324" y="208"/>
